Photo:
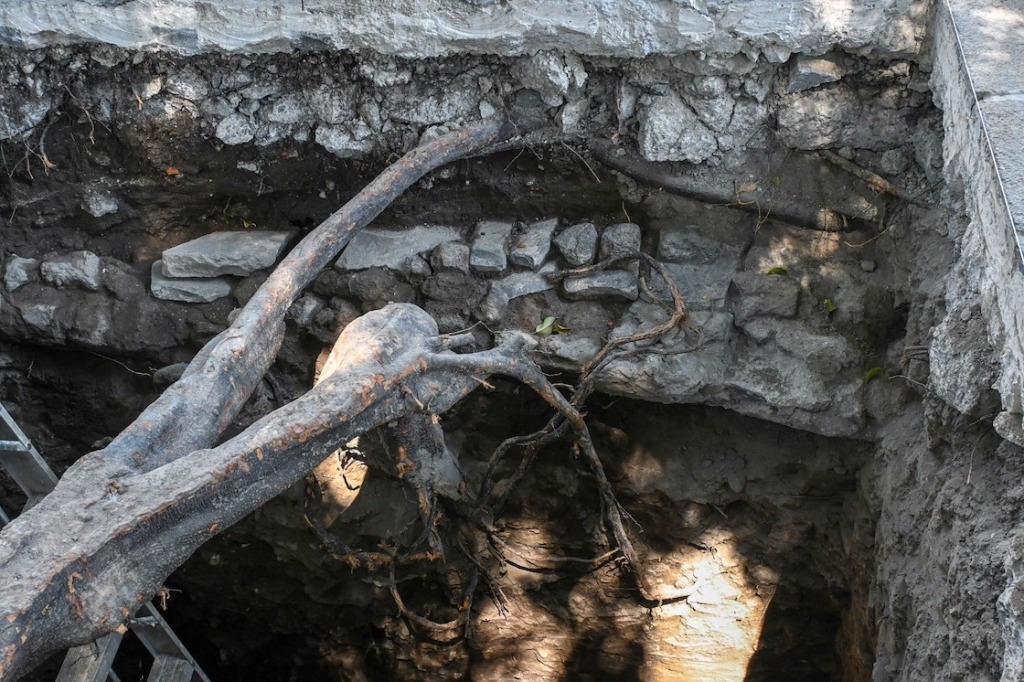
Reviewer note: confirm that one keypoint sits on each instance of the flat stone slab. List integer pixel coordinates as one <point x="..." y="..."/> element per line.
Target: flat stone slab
<point x="490" y="242"/>
<point x="606" y="284"/>
<point x="225" y="253"/>
<point x="393" y="249"/>
<point x="77" y="270"/>
<point x="186" y="289"/>
<point x="513" y="286"/>
<point x="531" y="248"/>
<point x="431" y="28"/>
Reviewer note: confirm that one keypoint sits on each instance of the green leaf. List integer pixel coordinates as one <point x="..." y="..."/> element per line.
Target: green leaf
<point x="778" y="271"/>
<point x="872" y="373"/>
<point x="777" y="181"/>
<point x="546" y="327"/>
<point x="830" y="306"/>
<point x="559" y="329"/>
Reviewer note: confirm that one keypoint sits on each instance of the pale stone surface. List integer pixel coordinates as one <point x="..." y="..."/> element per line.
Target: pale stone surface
<point x="764" y="296"/>
<point x="392" y="249"/>
<point x="578" y="243"/>
<point x="810" y="72"/>
<point x="513" y="286"/>
<point x="605" y="284"/>
<point x="20" y="271"/>
<point x="622" y="28"/>
<point x="451" y="256"/>
<point x="490" y="241"/>
<point x="79" y="270"/>
<point x="235" y="129"/>
<point x="226" y="253"/>
<point x="99" y="201"/>
<point x="621" y="239"/>
<point x="552" y="75"/>
<point x="531" y="247"/>
<point x="187" y="289"/>
<point x="671" y="131"/>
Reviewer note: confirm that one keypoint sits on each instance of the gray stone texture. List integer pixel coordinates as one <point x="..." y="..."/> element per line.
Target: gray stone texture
<point x="687" y="245"/>
<point x="392" y="249"/>
<point x="451" y="256"/>
<point x="513" y="286"/>
<point x="186" y="289"/>
<point x="809" y="72"/>
<point x="490" y="243"/>
<point x="20" y="271"/>
<point x="760" y="295"/>
<point x="621" y="239"/>
<point x="531" y="247"/>
<point x="430" y="28"/>
<point x="605" y="284"/>
<point x="77" y="270"/>
<point x="702" y="287"/>
<point x="99" y="201"/>
<point x="671" y="131"/>
<point x="552" y="75"/>
<point x="840" y="116"/>
<point x="1003" y="117"/>
<point x="225" y="253"/>
<point x="578" y="244"/>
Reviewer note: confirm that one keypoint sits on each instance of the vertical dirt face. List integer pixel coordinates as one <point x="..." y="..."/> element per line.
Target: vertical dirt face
<point x="781" y="460"/>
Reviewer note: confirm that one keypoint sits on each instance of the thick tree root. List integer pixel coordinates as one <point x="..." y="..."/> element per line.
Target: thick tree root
<point x="124" y="518"/>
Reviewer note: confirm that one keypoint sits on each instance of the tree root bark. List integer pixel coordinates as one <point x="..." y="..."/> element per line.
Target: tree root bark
<point x="123" y="518"/>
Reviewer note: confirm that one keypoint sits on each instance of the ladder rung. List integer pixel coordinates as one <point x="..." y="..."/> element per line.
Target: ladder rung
<point x="29" y="471"/>
<point x="90" y="662"/>
<point x="157" y="636"/>
<point x="170" y="669"/>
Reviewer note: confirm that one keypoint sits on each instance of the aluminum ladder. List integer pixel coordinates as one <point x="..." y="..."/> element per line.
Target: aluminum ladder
<point x="92" y="662"/>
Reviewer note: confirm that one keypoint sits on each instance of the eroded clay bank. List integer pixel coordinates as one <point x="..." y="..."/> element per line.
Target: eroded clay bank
<point x="823" y="457"/>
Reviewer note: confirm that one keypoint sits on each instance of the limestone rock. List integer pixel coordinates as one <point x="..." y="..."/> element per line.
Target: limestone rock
<point x="225" y="253"/>
<point x="621" y="239"/>
<point x="98" y="202"/>
<point x="532" y="246"/>
<point x="609" y="283"/>
<point x="393" y="249"/>
<point x="79" y="270"/>
<point x="235" y="129"/>
<point x="687" y="246"/>
<point x="513" y="286"/>
<point x="701" y="286"/>
<point x="552" y="75"/>
<point x="764" y="296"/>
<point x="809" y="72"/>
<point x="578" y="243"/>
<point x="20" y="271"/>
<point x="451" y="256"/>
<point x="490" y="241"/>
<point x="187" y="289"/>
<point x="671" y="131"/>
<point x="346" y="142"/>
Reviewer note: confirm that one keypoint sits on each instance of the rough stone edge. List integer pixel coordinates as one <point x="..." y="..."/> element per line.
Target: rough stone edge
<point x="433" y="28"/>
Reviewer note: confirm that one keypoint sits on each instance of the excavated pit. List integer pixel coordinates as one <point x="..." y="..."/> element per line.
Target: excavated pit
<point x="781" y="464"/>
